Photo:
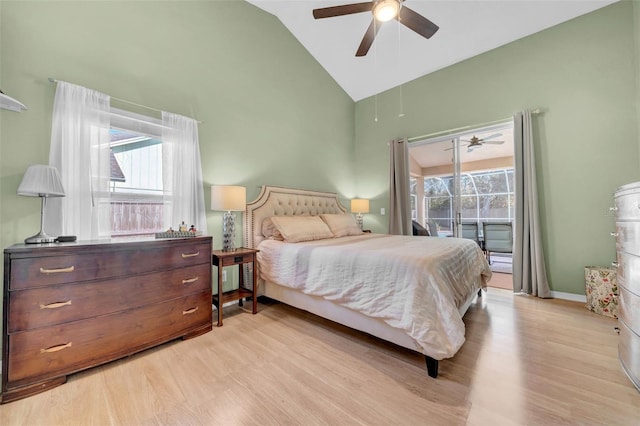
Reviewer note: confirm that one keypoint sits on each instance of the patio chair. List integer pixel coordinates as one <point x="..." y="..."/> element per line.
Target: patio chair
<point x="470" y="231"/>
<point x="498" y="238"/>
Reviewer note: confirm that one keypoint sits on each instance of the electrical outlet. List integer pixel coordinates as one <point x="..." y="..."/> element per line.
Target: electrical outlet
<point x="224" y="276"/>
<point x="382" y="211"/>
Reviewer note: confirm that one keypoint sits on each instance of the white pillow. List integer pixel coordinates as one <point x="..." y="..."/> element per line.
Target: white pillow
<point x="295" y="229"/>
<point x="341" y="225"/>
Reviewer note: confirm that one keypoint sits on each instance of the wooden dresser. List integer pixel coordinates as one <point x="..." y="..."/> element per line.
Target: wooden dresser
<point x="627" y="207"/>
<point x="71" y="306"/>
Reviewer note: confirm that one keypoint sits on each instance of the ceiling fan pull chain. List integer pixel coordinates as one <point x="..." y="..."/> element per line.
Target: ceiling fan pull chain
<point x="375" y="68"/>
<point x="401" y="114"/>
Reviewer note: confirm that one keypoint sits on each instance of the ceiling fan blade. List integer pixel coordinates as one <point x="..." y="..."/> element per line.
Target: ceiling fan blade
<point x="495" y="135"/>
<point x="493" y="142"/>
<point x="463" y="146"/>
<point x="368" y="38"/>
<point x="416" y="22"/>
<point x="346" y="9"/>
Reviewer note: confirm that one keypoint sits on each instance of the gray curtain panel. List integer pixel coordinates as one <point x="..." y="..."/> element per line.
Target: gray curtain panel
<point x="399" y="197"/>
<point x="529" y="271"/>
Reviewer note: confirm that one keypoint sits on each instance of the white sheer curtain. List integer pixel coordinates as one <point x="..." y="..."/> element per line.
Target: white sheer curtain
<point x="529" y="271"/>
<point x="80" y="151"/>
<point x="182" y="173"/>
<point x="399" y="197"/>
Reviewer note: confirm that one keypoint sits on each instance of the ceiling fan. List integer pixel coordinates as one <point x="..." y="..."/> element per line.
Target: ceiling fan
<point x="476" y="142"/>
<point x="382" y="10"/>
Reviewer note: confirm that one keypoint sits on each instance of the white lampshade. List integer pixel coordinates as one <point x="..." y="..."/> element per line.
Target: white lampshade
<point x="41" y="181"/>
<point x="228" y="198"/>
<point x="359" y="205"/>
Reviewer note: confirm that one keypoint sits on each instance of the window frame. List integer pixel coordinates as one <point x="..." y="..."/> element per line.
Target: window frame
<point x="143" y="125"/>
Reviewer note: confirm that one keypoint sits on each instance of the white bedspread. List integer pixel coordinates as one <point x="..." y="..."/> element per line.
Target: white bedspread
<point x="415" y="284"/>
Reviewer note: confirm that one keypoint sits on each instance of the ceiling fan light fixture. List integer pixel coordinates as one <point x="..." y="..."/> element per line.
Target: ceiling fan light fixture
<point x="386" y="10"/>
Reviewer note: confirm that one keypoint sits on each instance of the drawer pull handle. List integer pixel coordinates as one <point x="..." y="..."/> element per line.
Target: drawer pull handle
<point x="55" y="348"/>
<point x="615" y="264"/>
<point x="190" y="280"/>
<point x="189" y="311"/>
<point x="614" y="234"/>
<point x="55" y="305"/>
<point x="186" y="255"/>
<point x="55" y="271"/>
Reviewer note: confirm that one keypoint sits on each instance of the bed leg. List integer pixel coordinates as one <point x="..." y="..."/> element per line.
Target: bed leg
<point x="432" y="366"/>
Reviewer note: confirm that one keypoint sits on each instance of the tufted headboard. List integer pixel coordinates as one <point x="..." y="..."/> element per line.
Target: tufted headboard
<point x="279" y="201"/>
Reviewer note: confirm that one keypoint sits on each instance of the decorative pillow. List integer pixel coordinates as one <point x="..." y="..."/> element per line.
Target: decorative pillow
<point x="295" y="229"/>
<point x="270" y="231"/>
<point x="341" y="225"/>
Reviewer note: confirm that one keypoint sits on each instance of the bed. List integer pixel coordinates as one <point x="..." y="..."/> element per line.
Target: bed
<point x="411" y="291"/>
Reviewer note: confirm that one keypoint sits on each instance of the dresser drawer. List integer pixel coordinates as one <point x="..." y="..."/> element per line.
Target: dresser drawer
<point x="629" y="352"/>
<point x="629" y="309"/>
<point x="628" y="237"/>
<point x="628" y="274"/>
<point x="627" y="205"/>
<point x="55" y="351"/>
<point x="57" y="304"/>
<point x="89" y="264"/>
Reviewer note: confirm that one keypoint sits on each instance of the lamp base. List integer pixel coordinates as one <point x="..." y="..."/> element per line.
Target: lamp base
<point x="40" y="238"/>
<point x="360" y="220"/>
<point x="229" y="232"/>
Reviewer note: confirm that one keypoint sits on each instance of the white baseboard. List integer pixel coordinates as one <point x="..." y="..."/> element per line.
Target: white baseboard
<point x="569" y="296"/>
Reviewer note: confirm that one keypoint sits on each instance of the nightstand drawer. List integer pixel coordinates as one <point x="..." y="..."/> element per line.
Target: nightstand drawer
<point x="45" y="270"/>
<point x="235" y="260"/>
<point x="54" y="351"/>
<point x="45" y="306"/>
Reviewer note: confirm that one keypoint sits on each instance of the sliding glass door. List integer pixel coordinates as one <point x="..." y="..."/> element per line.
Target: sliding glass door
<point x="461" y="180"/>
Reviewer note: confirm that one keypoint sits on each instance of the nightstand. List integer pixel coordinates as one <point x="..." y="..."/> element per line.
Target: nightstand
<point x="239" y="257"/>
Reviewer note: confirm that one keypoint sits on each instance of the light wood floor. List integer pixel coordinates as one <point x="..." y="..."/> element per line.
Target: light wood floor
<point x="526" y="361"/>
<point x="501" y="280"/>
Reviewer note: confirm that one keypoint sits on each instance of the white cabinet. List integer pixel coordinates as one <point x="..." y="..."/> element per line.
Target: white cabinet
<point x="627" y="207"/>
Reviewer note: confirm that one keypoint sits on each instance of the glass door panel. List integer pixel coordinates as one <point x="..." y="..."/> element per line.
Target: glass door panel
<point x="464" y="178"/>
<point x="432" y="170"/>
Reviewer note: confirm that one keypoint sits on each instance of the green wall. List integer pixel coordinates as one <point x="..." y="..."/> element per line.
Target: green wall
<point x="636" y="16"/>
<point x="271" y="114"/>
<point x="582" y="75"/>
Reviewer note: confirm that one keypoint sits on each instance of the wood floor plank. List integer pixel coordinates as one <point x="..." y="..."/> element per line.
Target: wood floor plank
<point x="526" y="361"/>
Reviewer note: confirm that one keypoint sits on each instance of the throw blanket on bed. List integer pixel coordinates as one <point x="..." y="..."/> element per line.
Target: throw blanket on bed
<point x="413" y="283"/>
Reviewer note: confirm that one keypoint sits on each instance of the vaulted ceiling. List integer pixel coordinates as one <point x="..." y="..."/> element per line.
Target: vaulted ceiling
<point x="398" y="54"/>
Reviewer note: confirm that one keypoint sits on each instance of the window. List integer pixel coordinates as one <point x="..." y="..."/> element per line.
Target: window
<point x="438" y="200"/>
<point x="468" y="176"/>
<point x="414" y="198"/>
<point x="485" y="196"/>
<point x="136" y="175"/>
<point x="149" y="156"/>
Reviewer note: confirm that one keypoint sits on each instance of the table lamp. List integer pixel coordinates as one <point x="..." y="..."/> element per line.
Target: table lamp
<point x="228" y="199"/>
<point x="44" y="182"/>
<point x="359" y="206"/>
